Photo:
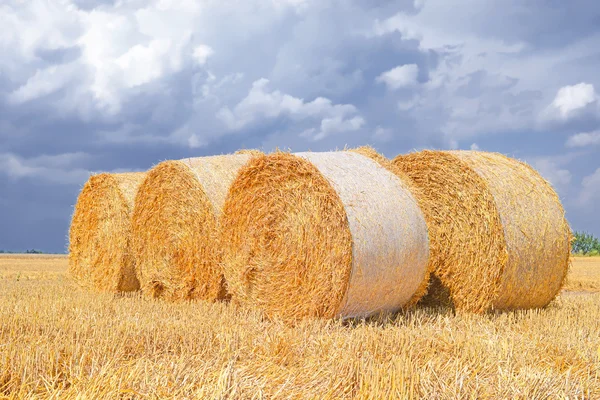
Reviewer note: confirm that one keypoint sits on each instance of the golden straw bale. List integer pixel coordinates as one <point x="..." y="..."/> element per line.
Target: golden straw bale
<point x="322" y="235"/>
<point x="499" y="237"/>
<point x="536" y="231"/>
<point x="175" y="227"/>
<point x="100" y="233"/>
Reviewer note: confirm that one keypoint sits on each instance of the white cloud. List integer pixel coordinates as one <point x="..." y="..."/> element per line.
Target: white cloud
<point x="122" y="47"/>
<point x="474" y="147"/>
<point x="260" y="103"/>
<point x="44" y="82"/>
<point x="399" y="77"/>
<point x="144" y="63"/>
<point x="121" y="53"/>
<point x="202" y="53"/>
<point x="584" y="139"/>
<point x="481" y="78"/>
<point x="335" y="125"/>
<point x="570" y="99"/>
<point x="590" y="188"/>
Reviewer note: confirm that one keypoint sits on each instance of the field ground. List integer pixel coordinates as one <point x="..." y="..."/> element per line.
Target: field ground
<point x="584" y="274"/>
<point x="57" y="341"/>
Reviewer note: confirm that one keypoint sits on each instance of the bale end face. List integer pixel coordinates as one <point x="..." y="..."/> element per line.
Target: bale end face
<point x="174" y="227"/>
<point x="278" y="207"/>
<point x="176" y="224"/>
<point x="467" y="247"/>
<point x="100" y="234"/>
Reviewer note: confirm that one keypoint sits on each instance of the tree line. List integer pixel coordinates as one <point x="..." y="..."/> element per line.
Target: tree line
<point x="585" y="244"/>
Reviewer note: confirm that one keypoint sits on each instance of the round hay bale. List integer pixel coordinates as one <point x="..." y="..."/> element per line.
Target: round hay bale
<point x="100" y="233"/>
<point x="175" y="227"/>
<point x="499" y="237"/>
<point x="322" y="235"/>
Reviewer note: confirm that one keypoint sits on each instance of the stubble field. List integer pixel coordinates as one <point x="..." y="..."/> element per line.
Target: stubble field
<point x="57" y="341"/>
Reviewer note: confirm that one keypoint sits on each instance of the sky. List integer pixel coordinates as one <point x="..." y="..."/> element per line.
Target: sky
<point x="120" y="85"/>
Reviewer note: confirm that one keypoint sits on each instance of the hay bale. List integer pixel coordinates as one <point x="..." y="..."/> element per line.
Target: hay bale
<point x="499" y="237"/>
<point x="175" y="227"/>
<point x="322" y="235"/>
<point x="100" y="232"/>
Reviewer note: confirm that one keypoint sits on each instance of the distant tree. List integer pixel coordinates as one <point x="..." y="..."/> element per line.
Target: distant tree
<point x="585" y="244"/>
<point x="34" y="251"/>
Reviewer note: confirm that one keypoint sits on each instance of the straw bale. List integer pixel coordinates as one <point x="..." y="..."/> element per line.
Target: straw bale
<point x="100" y="233"/>
<point x="175" y="227"/>
<point x="322" y="235"/>
<point x="536" y="231"/>
<point x="499" y="239"/>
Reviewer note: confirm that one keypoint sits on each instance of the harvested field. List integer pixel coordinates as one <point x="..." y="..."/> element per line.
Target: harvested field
<point x="584" y="275"/>
<point x="32" y="266"/>
<point x="58" y="341"/>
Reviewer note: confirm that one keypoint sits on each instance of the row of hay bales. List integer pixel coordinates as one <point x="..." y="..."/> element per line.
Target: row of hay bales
<point x="345" y="233"/>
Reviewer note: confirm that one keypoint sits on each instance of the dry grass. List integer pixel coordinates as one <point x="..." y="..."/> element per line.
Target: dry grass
<point x="57" y="341"/>
<point x="584" y="275"/>
<point x="32" y="266"/>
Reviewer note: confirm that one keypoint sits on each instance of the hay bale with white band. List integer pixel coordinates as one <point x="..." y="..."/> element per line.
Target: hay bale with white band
<point x="99" y="236"/>
<point x="175" y="227"/>
<point x="499" y="236"/>
<point x="322" y="235"/>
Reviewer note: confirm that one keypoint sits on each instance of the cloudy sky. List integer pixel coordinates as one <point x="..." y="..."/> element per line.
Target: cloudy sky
<point x="119" y="85"/>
